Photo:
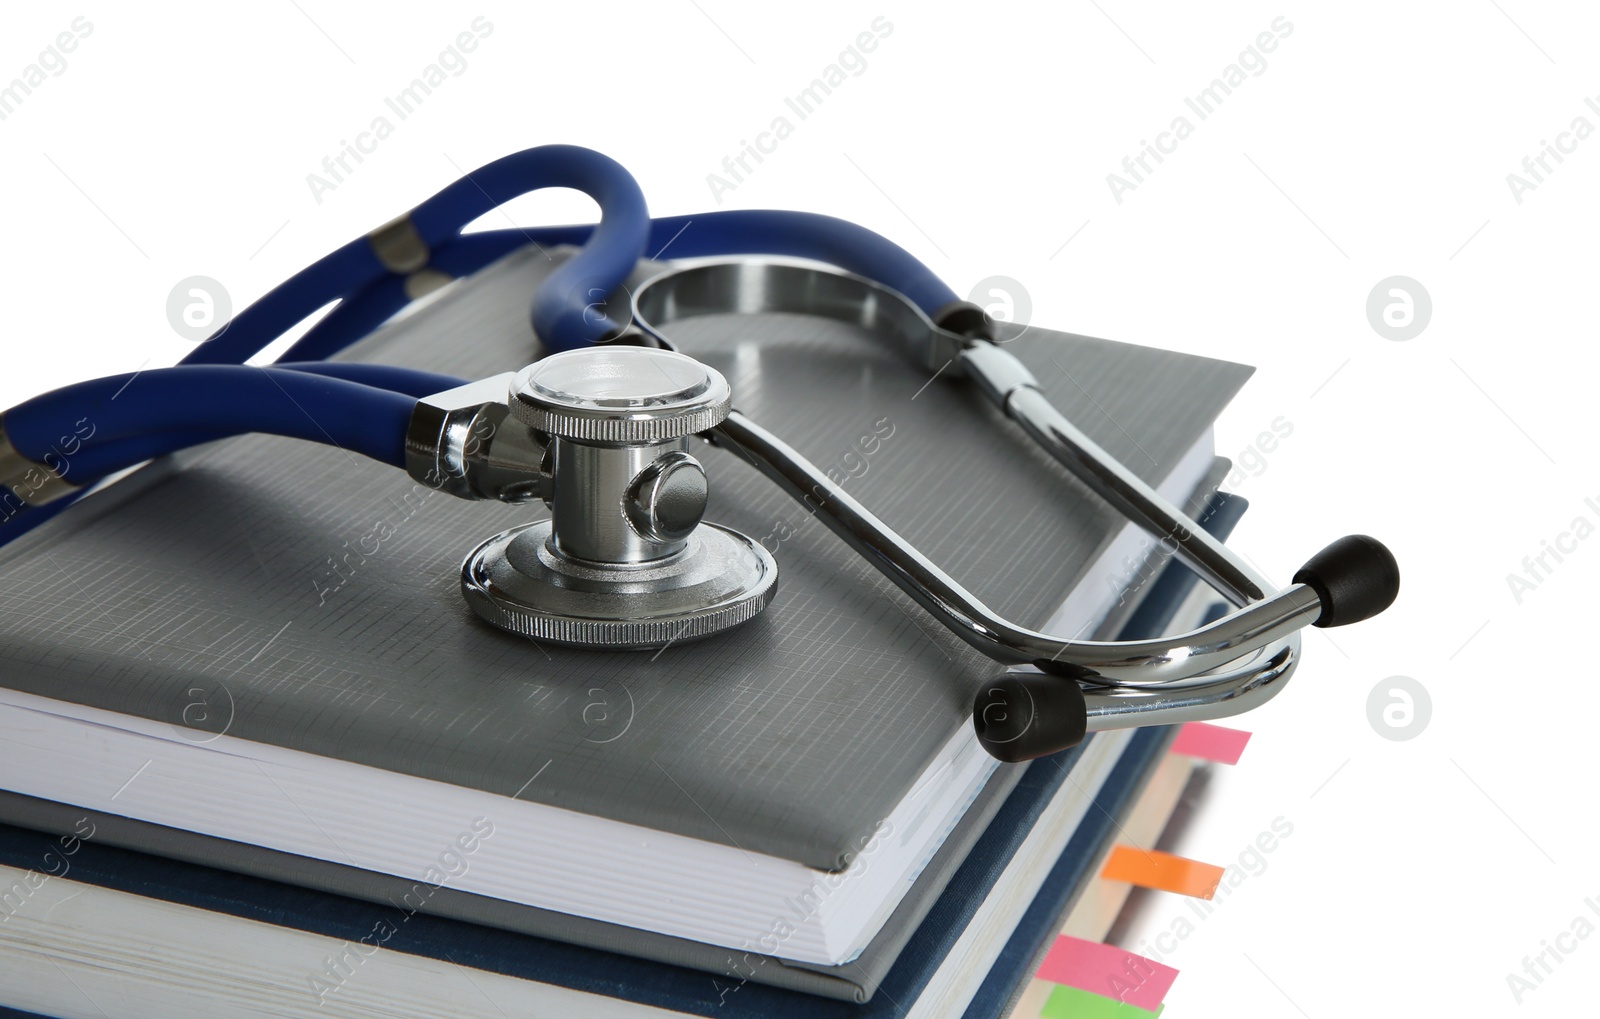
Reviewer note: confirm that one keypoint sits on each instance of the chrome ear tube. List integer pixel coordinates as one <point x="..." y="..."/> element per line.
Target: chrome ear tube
<point x="1225" y="667"/>
<point x="1066" y="687"/>
<point x="626" y="561"/>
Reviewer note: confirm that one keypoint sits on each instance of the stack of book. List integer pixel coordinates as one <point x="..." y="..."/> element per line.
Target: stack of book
<point x="257" y="757"/>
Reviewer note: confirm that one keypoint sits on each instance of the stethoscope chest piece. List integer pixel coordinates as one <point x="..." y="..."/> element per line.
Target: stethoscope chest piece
<point x="625" y="559"/>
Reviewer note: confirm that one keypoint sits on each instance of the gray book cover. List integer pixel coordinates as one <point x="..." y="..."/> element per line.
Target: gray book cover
<point x="853" y="981"/>
<point x="321" y="589"/>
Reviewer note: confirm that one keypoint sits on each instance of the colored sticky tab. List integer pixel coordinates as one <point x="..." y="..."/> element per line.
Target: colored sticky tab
<point x="1151" y="868"/>
<point x="1210" y="742"/>
<point x="1071" y="1003"/>
<point x="1107" y="971"/>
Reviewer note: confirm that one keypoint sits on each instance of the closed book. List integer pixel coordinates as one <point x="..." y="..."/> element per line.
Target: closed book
<point x="262" y="644"/>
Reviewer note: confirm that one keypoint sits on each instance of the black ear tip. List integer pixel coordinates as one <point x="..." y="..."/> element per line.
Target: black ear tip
<point x="1020" y="716"/>
<point x="1355" y="578"/>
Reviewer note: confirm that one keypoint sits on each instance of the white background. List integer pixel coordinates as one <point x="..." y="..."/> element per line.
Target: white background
<point x="1375" y="143"/>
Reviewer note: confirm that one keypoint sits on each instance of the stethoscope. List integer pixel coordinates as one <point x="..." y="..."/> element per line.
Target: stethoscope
<point x="599" y="430"/>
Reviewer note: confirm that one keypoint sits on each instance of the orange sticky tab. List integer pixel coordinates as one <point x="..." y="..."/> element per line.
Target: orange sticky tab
<point x="1151" y="868"/>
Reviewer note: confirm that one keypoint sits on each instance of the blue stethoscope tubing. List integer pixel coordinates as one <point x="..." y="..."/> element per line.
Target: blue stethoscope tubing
<point x="561" y="303"/>
<point x="809" y="235"/>
<point x="212" y="394"/>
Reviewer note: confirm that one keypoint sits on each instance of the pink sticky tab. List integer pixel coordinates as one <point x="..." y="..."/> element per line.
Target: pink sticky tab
<point x="1108" y="971"/>
<point x="1211" y="742"/>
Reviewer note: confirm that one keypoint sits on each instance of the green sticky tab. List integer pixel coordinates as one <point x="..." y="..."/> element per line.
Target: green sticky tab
<point x="1071" y="1003"/>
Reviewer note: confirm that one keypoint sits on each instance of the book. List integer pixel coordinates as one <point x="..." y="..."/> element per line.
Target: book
<point x="261" y="643"/>
<point x="981" y="939"/>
